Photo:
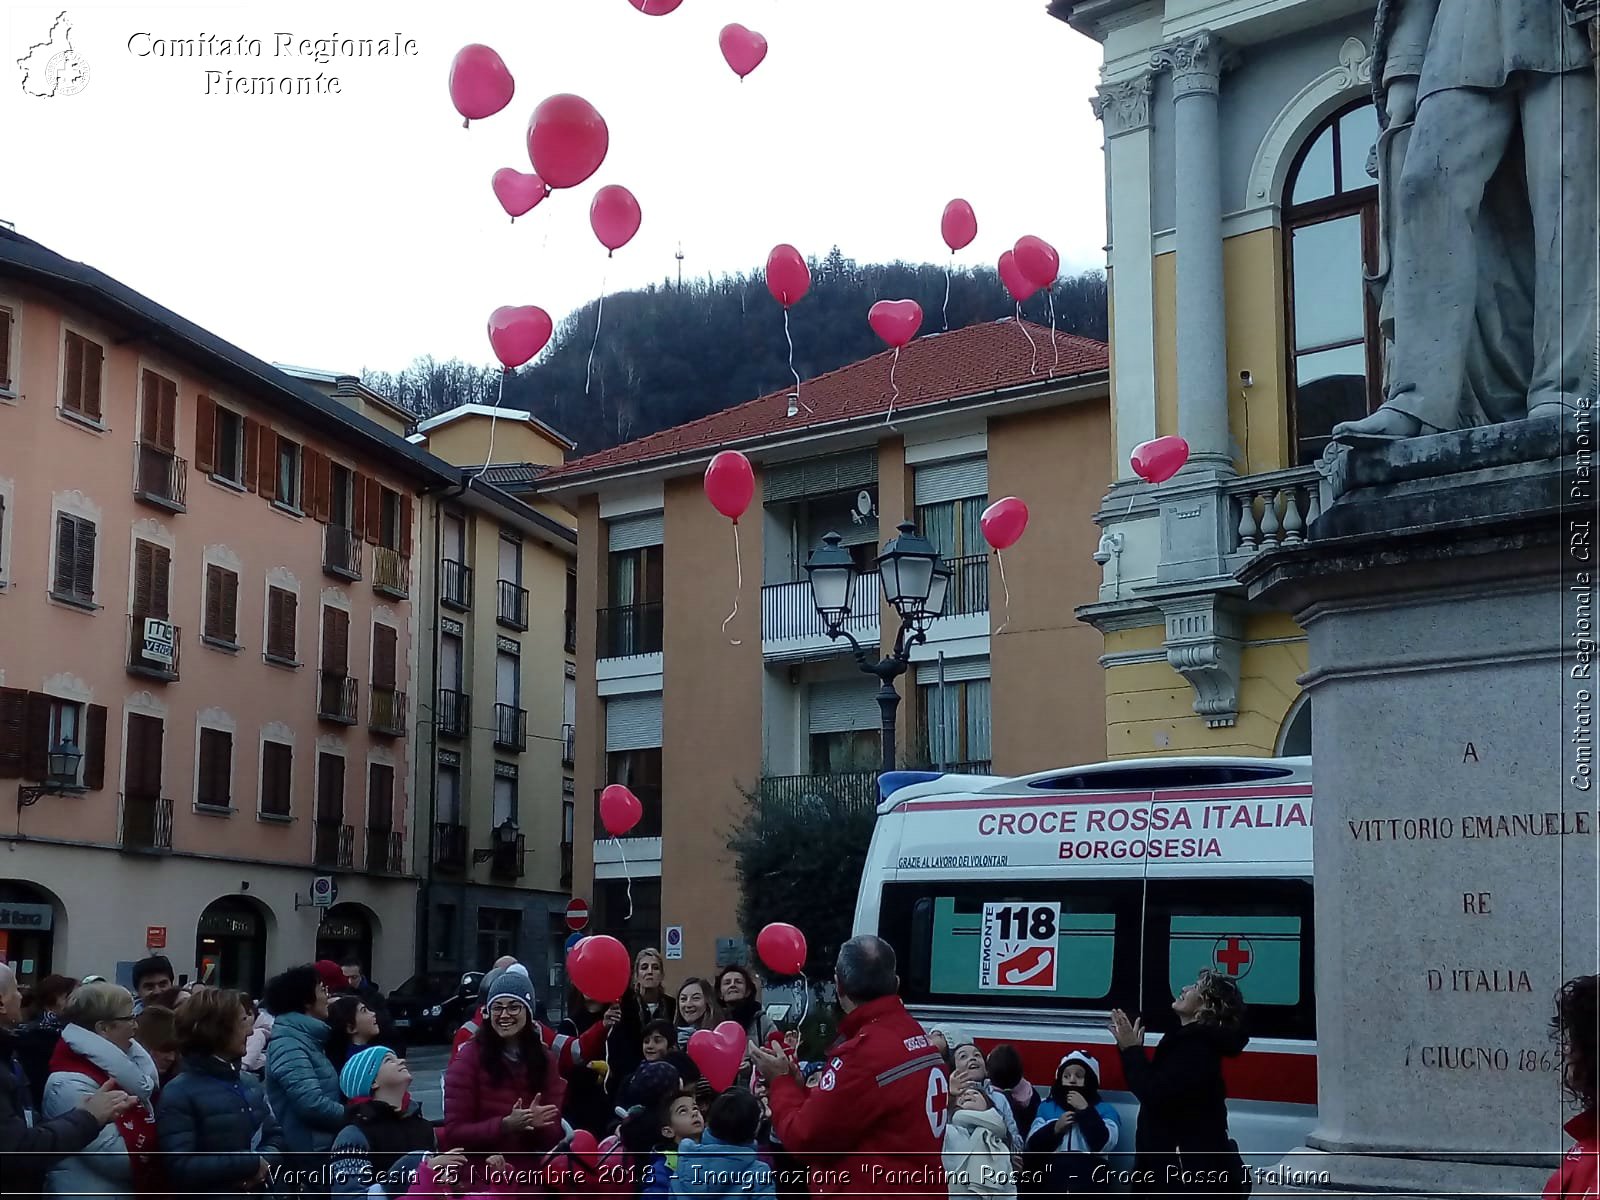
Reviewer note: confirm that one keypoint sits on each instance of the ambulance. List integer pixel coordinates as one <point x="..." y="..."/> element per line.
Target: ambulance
<point x="1024" y="910"/>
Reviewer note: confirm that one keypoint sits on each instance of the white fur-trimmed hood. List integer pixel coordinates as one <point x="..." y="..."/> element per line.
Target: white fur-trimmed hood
<point x="134" y="1072"/>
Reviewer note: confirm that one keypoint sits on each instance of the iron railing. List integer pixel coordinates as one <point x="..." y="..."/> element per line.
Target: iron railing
<point x="649" y="823"/>
<point x="455" y="585"/>
<point x="507" y="861"/>
<point x="818" y="797"/>
<point x="341" y="552"/>
<point x="788" y="611"/>
<point x="510" y="727"/>
<point x="145" y="823"/>
<point x="332" y="843"/>
<point x="969" y="585"/>
<point x="513" y="607"/>
<point x="387" y="711"/>
<point x="385" y="851"/>
<point x="629" y="630"/>
<point x="336" y="697"/>
<point x="453" y="713"/>
<point x="449" y="846"/>
<point x="391" y="572"/>
<point x="160" y="477"/>
<point x="151" y="643"/>
<point x="569" y="745"/>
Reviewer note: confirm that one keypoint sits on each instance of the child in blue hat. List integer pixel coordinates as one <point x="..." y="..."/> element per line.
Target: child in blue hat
<point x="388" y="1142"/>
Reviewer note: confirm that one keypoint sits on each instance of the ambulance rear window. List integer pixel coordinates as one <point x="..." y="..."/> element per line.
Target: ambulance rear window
<point x="1140" y="779"/>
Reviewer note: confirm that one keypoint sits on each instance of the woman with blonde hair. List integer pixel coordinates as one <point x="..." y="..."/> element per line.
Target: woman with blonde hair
<point x="97" y="1048"/>
<point x="646" y="1000"/>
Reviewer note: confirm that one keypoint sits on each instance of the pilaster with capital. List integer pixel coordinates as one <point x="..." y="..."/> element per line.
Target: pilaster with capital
<point x="1124" y="106"/>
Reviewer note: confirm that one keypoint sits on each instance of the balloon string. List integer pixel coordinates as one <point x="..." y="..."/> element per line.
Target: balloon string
<point x="1023" y="325"/>
<point x="1001" y="559"/>
<point x="896" y="396"/>
<point x="495" y="416"/>
<point x="1056" y="364"/>
<point x="805" y="1000"/>
<point x="626" y="874"/>
<point x="947" y="297"/>
<point x="792" y="371"/>
<point x="598" y="313"/>
<point x="738" y="566"/>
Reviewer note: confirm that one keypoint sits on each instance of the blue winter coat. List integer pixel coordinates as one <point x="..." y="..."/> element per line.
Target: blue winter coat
<point x="658" y="1172"/>
<point x="302" y="1085"/>
<point x="214" y="1128"/>
<point x="711" y="1167"/>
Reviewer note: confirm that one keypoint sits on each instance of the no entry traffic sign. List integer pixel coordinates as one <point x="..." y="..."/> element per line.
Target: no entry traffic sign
<point x="577" y="914"/>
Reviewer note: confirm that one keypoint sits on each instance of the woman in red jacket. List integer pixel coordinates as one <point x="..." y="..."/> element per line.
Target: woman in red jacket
<point x="1577" y="1020"/>
<point x="503" y="1092"/>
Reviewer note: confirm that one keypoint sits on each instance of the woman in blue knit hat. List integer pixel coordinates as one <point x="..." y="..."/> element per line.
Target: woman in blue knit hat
<point x="388" y="1141"/>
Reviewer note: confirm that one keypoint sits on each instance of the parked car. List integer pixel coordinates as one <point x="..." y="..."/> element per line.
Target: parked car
<point x="430" y="1008"/>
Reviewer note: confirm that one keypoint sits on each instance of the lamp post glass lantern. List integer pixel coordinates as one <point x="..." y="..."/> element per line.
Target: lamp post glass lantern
<point x="915" y="582"/>
<point x="61" y="774"/>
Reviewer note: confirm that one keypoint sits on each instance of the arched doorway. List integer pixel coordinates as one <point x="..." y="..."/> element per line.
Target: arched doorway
<point x="346" y="932"/>
<point x="231" y="945"/>
<point x="28" y="920"/>
<point x="1294" y="738"/>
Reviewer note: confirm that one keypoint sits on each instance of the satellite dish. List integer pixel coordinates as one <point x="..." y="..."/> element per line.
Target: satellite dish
<point x="864" y="503"/>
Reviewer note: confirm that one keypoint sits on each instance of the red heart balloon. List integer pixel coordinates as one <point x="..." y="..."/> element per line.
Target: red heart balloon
<point x="480" y="85"/>
<point x="517" y="334"/>
<point x="1018" y="284"/>
<point x="583" y="1144"/>
<point x="782" y="948"/>
<point x="1003" y="522"/>
<point x="743" y="48"/>
<point x="620" y="810"/>
<point x="718" y="1053"/>
<point x="517" y="191"/>
<point x="614" y="216"/>
<point x="1159" y="460"/>
<point x="600" y="968"/>
<point x="655" y="8"/>
<point x="1037" y="260"/>
<point x="788" y="277"/>
<point x="567" y="140"/>
<point x="895" y="321"/>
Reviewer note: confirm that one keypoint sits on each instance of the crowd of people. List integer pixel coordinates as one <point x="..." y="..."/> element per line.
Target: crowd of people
<point x="161" y="1092"/>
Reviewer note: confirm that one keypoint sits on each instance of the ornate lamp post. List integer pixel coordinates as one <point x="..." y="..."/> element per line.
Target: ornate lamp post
<point x="61" y="775"/>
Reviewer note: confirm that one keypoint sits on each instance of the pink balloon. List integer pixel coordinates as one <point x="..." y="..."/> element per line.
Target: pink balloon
<point x="1003" y="522"/>
<point x="782" y="948"/>
<point x="959" y="225"/>
<point x="1159" y="460"/>
<point x="517" y="334"/>
<point x="567" y="140"/>
<point x="730" y="484"/>
<point x="583" y="1144"/>
<point x="743" y="48"/>
<point x="480" y="85"/>
<point x="614" y="216"/>
<point x="600" y="968"/>
<point x="1016" y="283"/>
<point x="788" y="277"/>
<point x="718" y="1053"/>
<point x="1037" y="260"/>
<point x="655" y="8"/>
<point x="620" y="810"/>
<point x="895" y="321"/>
<point x="517" y="191"/>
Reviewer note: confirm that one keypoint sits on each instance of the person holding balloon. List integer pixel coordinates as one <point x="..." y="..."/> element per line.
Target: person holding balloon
<point x="646" y="1000"/>
<point x="739" y="996"/>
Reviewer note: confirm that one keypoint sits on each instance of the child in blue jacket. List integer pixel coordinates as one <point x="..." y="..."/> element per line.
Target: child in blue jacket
<point x="678" y="1121"/>
<point x="725" y="1163"/>
<point x="1075" y="1128"/>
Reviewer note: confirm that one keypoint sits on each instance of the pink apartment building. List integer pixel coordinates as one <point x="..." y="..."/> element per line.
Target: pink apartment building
<point x="206" y="592"/>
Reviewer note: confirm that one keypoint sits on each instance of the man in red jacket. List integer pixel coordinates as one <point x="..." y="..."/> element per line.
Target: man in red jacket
<point x="874" y="1123"/>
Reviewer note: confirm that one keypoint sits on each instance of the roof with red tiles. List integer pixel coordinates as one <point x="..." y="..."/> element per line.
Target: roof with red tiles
<point x="959" y="365"/>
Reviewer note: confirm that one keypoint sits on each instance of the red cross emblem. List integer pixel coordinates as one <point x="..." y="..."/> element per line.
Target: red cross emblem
<point x="938" y="1101"/>
<point x="1233" y="956"/>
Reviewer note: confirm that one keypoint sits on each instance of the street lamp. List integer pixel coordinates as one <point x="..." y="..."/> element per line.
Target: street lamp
<point x="61" y="774"/>
<point x="915" y="582"/>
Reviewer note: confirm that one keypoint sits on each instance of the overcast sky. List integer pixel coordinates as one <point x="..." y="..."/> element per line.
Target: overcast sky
<point x="359" y="229"/>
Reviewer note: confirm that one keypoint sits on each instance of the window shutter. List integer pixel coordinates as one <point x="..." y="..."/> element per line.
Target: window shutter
<point x="954" y="480"/>
<point x="72" y="374"/>
<point x="252" y="446"/>
<point x="291" y="620"/>
<point x="149" y="407"/>
<point x="330" y="788"/>
<point x="93" y="356"/>
<point x="213" y="622"/>
<point x="94" y="749"/>
<point x="169" y="415"/>
<point x="83" y="560"/>
<point x="374" y="529"/>
<point x="633" y="722"/>
<point x="336" y="641"/>
<point x="319" y="492"/>
<point x="13" y="742"/>
<point x="384" y="645"/>
<point x="161" y="582"/>
<point x="143" y="569"/>
<point x="405" y="525"/>
<point x="5" y="349"/>
<point x="842" y="706"/>
<point x="267" y="465"/>
<point x="205" y="434"/>
<point x="144" y="755"/>
<point x="275" y="622"/>
<point x="634" y="533"/>
<point x="66" y="554"/>
<point x="358" y="496"/>
<point x="230" y="606"/>
<point x="36" y="736"/>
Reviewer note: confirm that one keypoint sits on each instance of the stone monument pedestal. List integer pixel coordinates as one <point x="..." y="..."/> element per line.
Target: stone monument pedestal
<point x="1448" y="594"/>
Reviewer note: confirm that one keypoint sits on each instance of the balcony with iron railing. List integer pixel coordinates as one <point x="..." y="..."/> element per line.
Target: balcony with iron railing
<point x="391" y="572"/>
<point x="569" y="745"/>
<point x="629" y="630"/>
<point x="512" y="610"/>
<point x="332" y="844"/>
<point x="790" y="623"/>
<point x="819" y="798"/>
<point x="566" y="864"/>
<point x="385" y="851"/>
<point x="455" y="585"/>
<point x="968" y="593"/>
<point x="508" y="860"/>
<point x="160" y="477"/>
<point x="649" y="825"/>
<point x="341" y="552"/>
<point x="453" y="713"/>
<point x="387" y="710"/>
<point x="336" y="697"/>
<point x="144" y="823"/>
<point x="153" y="645"/>
<point x="449" y="846"/>
<point x="510" y="727"/>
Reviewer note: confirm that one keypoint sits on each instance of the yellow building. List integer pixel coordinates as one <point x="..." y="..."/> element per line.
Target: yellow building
<point x="1241" y="218"/>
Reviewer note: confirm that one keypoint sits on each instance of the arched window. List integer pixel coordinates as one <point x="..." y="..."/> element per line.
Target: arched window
<point x="1331" y="240"/>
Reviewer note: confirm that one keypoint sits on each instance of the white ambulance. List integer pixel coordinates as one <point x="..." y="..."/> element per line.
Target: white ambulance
<point x="1024" y="910"/>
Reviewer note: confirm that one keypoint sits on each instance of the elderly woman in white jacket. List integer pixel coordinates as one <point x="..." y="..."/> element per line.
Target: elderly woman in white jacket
<point x="97" y="1050"/>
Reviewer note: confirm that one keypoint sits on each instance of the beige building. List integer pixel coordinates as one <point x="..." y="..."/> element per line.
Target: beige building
<point x="695" y="718"/>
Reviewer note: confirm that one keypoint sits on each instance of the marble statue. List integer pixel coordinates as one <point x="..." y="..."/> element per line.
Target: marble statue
<point x="1486" y="171"/>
